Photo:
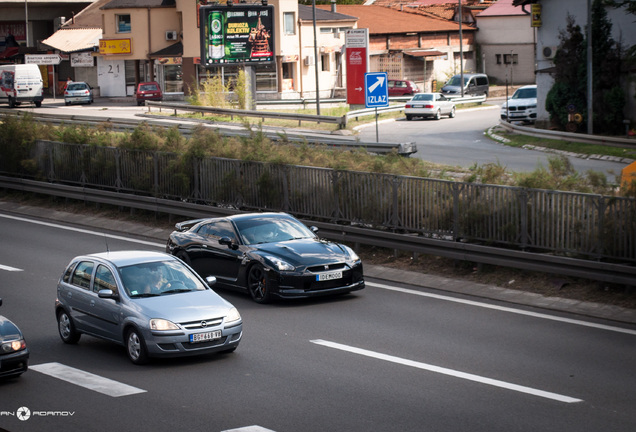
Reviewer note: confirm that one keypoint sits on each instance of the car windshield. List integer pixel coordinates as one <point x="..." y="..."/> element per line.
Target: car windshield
<point x="529" y="93"/>
<point x="158" y="278"/>
<point x="271" y="229"/>
<point x="148" y="87"/>
<point x="423" y="97"/>
<point x="454" y="81"/>
<point x="76" y="87"/>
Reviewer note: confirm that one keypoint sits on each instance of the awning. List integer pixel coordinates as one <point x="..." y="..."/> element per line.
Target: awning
<point x="74" y="39"/>
<point x="9" y="52"/>
<point x="174" y="50"/>
<point x="425" y="53"/>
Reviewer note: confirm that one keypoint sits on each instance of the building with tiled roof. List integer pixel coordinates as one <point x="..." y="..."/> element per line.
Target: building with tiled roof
<point x="507" y="44"/>
<point x="424" y="49"/>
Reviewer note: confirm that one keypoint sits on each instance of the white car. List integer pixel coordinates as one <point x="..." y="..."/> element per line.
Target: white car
<point x="433" y="105"/>
<point x="522" y="106"/>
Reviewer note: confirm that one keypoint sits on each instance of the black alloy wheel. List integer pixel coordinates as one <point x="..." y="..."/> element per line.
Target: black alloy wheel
<point x="257" y="284"/>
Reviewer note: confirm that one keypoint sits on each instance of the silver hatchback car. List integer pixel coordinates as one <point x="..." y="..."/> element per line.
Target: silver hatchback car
<point x="78" y="92"/>
<point x="150" y="302"/>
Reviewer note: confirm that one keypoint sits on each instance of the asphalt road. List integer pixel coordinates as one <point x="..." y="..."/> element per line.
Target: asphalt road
<point x="392" y="357"/>
<point x="460" y="141"/>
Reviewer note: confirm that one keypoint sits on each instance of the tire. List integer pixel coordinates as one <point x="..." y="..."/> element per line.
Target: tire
<point x="136" y="347"/>
<point x="409" y="117"/>
<point x="67" y="103"/>
<point x="452" y="113"/>
<point x="66" y="328"/>
<point x="438" y="115"/>
<point x="38" y="104"/>
<point x="257" y="284"/>
<point x="11" y="102"/>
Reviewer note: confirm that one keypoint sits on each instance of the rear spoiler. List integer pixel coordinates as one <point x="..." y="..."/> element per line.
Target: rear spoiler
<point x="186" y="225"/>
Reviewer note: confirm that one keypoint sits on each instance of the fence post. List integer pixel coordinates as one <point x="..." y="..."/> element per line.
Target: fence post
<point x="523" y="215"/>
<point x="455" y="189"/>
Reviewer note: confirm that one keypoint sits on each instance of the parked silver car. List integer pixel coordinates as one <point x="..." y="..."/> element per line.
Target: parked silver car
<point x="78" y="92"/>
<point x="150" y="302"/>
<point x="433" y="105"/>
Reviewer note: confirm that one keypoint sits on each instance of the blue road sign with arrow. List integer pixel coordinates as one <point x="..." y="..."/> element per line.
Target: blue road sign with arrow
<point x="376" y="90"/>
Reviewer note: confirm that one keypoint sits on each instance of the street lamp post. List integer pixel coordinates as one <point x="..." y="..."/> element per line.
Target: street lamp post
<point x="316" y="60"/>
<point x="26" y="22"/>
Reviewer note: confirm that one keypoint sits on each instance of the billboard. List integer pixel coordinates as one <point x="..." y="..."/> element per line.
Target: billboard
<point x="241" y="34"/>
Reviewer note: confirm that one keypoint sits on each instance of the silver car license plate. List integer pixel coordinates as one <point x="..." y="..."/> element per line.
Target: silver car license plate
<point x="204" y="337"/>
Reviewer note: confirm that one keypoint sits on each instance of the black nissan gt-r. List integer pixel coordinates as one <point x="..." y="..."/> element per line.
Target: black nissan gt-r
<point x="268" y="255"/>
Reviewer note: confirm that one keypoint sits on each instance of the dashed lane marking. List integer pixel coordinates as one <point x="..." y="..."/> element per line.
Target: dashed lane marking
<point x="87" y="380"/>
<point x="450" y="372"/>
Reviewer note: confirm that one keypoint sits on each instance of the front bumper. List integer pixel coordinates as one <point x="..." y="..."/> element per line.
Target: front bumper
<point x="305" y="285"/>
<point x="14" y="364"/>
<point x="162" y="344"/>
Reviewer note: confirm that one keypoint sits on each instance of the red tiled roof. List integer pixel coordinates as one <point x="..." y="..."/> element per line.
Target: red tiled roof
<point x="381" y="20"/>
<point x="502" y="8"/>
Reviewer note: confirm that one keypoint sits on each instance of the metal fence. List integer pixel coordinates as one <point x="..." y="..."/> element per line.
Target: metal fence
<point x="570" y="224"/>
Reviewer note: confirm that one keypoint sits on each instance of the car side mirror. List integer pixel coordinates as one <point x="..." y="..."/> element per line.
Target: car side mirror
<point x="228" y="242"/>
<point x="107" y="293"/>
<point x="210" y="280"/>
<point x="313" y="229"/>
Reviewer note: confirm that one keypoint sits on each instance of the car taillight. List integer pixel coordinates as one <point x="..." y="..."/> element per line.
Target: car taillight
<point x="429" y="106"/>
<point x="408" y="106"/>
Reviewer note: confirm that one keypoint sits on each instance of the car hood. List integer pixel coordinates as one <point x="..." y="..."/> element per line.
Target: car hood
<point x="183" y="307"/>
<point x="520" y="102"/>
<point x="305" y="252"/>
<point x="8" y="330"/>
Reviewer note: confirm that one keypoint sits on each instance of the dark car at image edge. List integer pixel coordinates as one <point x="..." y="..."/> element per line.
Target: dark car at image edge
<point x="268" y="255"/>
<point x="14" y="355"/>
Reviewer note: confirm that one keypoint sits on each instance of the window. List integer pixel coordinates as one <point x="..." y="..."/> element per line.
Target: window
<point x="326" y="30"/>
<point x="218" y="230"/>
<point x="104" y="279"/>
<point x="82" y="274"/>
<point x="289" y="23"/>
<point x="123" y="23"/>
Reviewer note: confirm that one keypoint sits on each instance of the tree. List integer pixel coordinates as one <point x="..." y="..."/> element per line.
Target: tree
<point x="569" y="92"/>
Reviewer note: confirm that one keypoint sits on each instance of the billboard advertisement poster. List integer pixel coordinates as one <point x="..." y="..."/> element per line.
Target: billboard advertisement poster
<point x="241" y="34"/>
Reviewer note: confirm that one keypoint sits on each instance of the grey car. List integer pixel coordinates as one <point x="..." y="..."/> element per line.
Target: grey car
<point x="78" y="92"/>
<point x="150" y="302"/>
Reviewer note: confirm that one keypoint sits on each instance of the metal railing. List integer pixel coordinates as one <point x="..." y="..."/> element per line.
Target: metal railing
<point x="601" y="271"/>
<point x="589" y="226"/>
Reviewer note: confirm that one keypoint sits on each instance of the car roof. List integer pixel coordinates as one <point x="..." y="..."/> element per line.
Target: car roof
<point x="527" y="86"/>
<point x="127" y="257"/>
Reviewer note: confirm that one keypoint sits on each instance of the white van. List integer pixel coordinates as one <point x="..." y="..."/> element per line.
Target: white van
<point x="21" y="83"/>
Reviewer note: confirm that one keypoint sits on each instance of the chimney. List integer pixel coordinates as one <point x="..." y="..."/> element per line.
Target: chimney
<point x="333" y="5"/>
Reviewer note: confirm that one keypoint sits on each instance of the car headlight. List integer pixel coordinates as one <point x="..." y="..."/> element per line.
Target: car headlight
<point x="13" y="346"/>
<point x="232" y="316"/>
<point x="353" y="257"/>
<point x="532" y="106"/>
<point x="162" y="325"/>
<point x="279" y="263"/>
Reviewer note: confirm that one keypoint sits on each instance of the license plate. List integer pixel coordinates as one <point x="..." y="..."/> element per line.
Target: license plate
<point x="418" y="106"/>
<point x="204" y="337"/>
<point x="328" y="276"/>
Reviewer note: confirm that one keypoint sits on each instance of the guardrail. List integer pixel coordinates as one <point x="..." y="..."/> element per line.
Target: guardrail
<point x="601" y="271"/>
<point x="340" y="121"/>
<point x="120" y="124"/>
<point x="568" y="136"/>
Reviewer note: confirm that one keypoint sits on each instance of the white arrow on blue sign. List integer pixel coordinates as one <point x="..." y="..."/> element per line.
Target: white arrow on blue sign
<point x="376" y="91"/>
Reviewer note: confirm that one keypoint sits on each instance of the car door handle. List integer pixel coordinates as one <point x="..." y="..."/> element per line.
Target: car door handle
<point x="92" y="303"/>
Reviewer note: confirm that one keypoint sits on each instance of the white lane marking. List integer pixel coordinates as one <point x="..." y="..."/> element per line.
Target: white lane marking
<point x="84" y="231"/>
<point x="249" y="429"/>
<point x="451" y="372"/>
<point x="503" y="308"/>
<point x="86" y="379"/>
<point x="7" y="268"/>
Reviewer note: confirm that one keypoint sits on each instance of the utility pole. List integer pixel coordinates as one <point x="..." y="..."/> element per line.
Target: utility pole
<point x="590" y="87"/>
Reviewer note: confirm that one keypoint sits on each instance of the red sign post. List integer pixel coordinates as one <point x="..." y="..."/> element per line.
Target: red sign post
<point x="357" y="60"/>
